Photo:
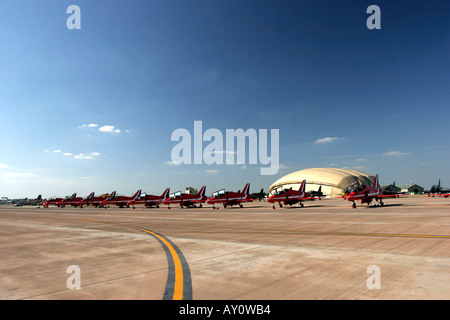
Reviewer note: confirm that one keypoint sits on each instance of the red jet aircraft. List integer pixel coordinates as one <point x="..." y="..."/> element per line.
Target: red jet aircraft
<point x="91" y="200"/>
<point x="359" y="191"/>
<point x="150" y="200"/>
<point x="53" y="201"/>
<point x="69" y="201"/>
<point x="290" y="197"/>
<point x="120" y="201"/>
<point x="187" y="200"/>
<point x="230" y="198"/>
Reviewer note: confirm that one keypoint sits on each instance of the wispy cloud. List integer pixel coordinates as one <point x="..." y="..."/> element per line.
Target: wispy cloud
<point x="327" y="140"/>
<point x="108" y="128"/>
<point x="90" y="125"/>
<point x="282" y="166"/>
<point x="91" y="155"/>
<point x="171" y="163"/>
<point x="396" y="154"/>
<point x="212" y="171"/>
<point x="2" y="165"/>
<point x="87" y="156"/>
<point x="82" y="156"/>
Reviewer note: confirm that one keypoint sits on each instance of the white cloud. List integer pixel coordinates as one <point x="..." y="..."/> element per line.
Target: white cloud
<point x="212" y="171"/>
<point x="109" y="128"/>
<point x="282" y="166"/>
<point x="105" y="128"/>
<point x="86" y="156"/>
<point x="395" y="154"/>
<point x="77" y="156"/>
<point x="326" y="140"/>
<point x="171" y="163"/>
<point x="3" y="165"/>
<point x="82" y="156"/>
<point x="90" y="125"/>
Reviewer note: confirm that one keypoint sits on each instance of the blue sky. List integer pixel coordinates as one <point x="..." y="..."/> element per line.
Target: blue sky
<point x="138" y="70"/>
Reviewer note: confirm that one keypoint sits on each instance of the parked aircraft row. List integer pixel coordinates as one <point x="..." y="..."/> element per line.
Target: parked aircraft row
<point x="226" y="198"/>
<point x="357" y="191"/>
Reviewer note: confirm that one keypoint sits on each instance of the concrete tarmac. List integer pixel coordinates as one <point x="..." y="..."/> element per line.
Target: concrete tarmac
<point x="326" y="250"/>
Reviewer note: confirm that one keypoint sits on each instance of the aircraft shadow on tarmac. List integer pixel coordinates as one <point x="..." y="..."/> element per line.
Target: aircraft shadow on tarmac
<point x="305" y="207"/>
<point x="385" y="205"/>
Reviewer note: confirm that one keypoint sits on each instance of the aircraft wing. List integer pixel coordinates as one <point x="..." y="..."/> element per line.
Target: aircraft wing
<point x="393" y="195"/>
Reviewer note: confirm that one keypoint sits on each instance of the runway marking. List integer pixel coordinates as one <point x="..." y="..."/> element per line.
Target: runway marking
<point x="178" y="285"/>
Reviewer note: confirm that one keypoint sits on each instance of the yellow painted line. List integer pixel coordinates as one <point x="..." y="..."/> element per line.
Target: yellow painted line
<point x="178" y="290"/>
<point x="178" y="287"/>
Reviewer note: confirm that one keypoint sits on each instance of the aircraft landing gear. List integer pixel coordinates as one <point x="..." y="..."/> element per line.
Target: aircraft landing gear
<point x="354" y="205"/>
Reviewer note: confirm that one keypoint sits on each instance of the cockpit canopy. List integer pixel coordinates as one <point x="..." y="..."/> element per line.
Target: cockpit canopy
<point x="356" y="186"/>
<point x="175" y="195"/>
<point x="220" y="193"/>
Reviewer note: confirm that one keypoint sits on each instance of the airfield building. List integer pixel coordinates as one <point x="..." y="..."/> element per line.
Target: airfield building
<point x="332" y="180"/>
<point x="411" y="188"/>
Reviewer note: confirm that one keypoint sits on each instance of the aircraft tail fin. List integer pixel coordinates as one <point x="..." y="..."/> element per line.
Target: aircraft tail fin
<point x="73" y="196"/>
<point x="112" y="195"/>
<point x="137" y="194"/>
<point x="246" y="189"/>
<point x="89" y="197"/>
<point x="302" y="186"/>
<point x="375" y="182"/>
<point x="165" y="194"/>
<point x="201" y="193"/>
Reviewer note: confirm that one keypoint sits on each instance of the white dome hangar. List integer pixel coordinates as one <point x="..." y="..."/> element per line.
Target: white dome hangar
<point x="332" y="180"/>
